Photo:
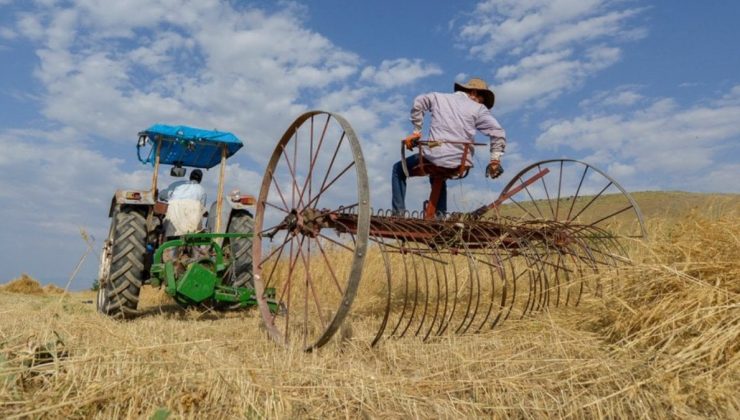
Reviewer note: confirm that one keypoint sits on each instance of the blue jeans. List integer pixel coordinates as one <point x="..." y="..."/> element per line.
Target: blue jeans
<point x="398" y="184"/>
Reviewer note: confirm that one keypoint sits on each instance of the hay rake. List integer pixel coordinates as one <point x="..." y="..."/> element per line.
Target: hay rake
<point x="319" y="244"/>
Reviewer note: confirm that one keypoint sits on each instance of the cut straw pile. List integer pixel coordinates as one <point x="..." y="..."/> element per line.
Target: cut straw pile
<point x="27" y="285"/>
<point x="662" y="341"/>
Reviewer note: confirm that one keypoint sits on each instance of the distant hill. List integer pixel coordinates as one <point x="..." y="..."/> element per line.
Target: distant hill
<point x="657" y="204"/>
<point x="609" y="211"/>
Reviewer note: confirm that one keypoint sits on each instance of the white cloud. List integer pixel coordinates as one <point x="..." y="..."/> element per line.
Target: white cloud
<point x="608" y="25"/>
<point x="7" y="33"/>
<point x="502" y="25"/>
<point x="107" y="71"/>
<point x="730" y="98"/>
<point x="540" y="78"/>
<point x="107" y="74"/>
<point x="30" y="26"/>
<point x="679" y="146"/>
<point x="545" y="48"/>
<point x="398" y="72"/>
<point x="623" y="96"/>
<point x="55" y="173"/>
<point x="106" y="63"/>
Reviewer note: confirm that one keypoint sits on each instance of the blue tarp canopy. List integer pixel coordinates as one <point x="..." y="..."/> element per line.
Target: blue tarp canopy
<point x="191" y="147"/>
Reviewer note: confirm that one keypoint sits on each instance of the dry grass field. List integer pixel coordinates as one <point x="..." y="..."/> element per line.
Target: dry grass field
<point x="661" y="341"/>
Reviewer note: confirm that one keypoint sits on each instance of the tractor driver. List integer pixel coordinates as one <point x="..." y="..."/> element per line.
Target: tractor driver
<point x="454" y="117"/>
<point x="186" y="205"/>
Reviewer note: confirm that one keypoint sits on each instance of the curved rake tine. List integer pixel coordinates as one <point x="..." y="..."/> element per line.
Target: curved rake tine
<point x="427" y="293"/>
<point x="418" y="248"/>
<point x="437" y="302"/>
<point x="385" y="226"/>
<point x="410" y="317"/>
<point x="547" y="257"/>
<point x="453" y="295"/>
<point x="491" y="275"/>
<point x="469" y="286"/>
<point x="386" y="314"/>
<point x="405" y="297"/>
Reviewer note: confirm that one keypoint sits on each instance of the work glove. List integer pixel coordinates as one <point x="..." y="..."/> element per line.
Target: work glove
<point x="412" y="140"/>
<point x="494" y="169"/>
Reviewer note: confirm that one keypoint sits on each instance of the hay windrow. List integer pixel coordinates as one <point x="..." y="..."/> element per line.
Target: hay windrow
<point x="24" y="284"/>
<point x="661" y="341"/>
<point x="27" y="285"/>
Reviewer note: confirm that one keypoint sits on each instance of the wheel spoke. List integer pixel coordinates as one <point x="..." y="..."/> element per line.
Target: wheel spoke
<point x="329" y="266"/>
<point x="315" y="200"/>
<point x="289" y="285"/>
<point x="274" y="266"/>
<point x="313" y="156"/>
<point x="331" y="166"/>
<point x="531" y="198"/>
<point x="578" y="190"/>
<point x="280" y="193"/>
<point x="309" y="283"/>
<point x="294" y="183"/>
<point x="292" y="170"/>
<point x="287" y="239"/>
<point x="560" y="184"/>
<point x="336" y="242"/>
<point x="276" y="207"/>
<point x="620" y="211"/>
<point x="547" y="194"/>
<point x="591" y="202"/>
<point x="521" y="207"/>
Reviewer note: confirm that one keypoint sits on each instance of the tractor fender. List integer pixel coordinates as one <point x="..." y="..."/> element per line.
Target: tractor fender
<point x="231" y="205"/>
<point x="241" y="202"/>
<point x="131" y="198"/>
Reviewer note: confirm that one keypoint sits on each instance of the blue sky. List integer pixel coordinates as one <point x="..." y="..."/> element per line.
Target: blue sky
<point x="647" y="91"/>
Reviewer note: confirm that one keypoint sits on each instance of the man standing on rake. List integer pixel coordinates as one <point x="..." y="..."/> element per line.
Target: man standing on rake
<point x="455" y="117"/>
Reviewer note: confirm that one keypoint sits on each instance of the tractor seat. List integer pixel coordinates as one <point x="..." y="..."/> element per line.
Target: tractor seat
<point x="434" y="171"/>
<point x="426" y="168"/>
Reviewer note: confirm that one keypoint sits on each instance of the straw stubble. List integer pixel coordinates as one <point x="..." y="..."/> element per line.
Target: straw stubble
<point x="661" y="339"/>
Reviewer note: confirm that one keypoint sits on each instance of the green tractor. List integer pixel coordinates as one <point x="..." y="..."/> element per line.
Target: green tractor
<point x="212" y="266"/>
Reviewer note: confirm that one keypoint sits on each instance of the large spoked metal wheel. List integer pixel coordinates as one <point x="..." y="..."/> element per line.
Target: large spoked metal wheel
<point x="122" y="264"/>
<point x="582" y="217"/>
<point x="572" y="192"/>
<point x="317" y="169"/>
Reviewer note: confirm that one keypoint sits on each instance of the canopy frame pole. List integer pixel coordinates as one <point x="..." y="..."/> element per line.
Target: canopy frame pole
<point x="156" y="166"/>
<point x="220" y="195"/>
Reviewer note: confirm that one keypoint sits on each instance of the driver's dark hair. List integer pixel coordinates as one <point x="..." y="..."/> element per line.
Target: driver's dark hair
<point x="196" y="175"/>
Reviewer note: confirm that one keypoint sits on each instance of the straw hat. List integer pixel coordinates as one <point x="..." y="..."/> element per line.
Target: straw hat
<point x="478" y="84"/>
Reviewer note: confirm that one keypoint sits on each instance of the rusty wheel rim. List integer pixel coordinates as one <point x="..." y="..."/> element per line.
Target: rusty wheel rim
<point x="316" y="169"/>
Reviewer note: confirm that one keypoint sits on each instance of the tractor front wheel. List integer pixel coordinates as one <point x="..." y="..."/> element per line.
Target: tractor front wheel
<point x="122" y="271"/>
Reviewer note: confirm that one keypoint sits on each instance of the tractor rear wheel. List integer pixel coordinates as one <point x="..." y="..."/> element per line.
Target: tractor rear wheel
<point x="240" y="250"/>
<point x="118" y="295"/>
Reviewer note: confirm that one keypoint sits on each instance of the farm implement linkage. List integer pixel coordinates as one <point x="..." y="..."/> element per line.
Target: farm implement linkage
<point x="318" y="244"/>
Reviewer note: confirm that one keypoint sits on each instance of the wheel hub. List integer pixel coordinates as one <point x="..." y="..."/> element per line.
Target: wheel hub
<point x="307" y="222"/>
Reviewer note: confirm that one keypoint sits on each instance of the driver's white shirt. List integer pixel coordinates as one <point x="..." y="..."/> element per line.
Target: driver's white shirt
<point x="185" y="190"/>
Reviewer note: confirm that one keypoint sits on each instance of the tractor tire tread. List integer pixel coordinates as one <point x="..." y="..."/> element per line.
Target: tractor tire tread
<point x="123" y="286"/>
<point x="242" y="222"/>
